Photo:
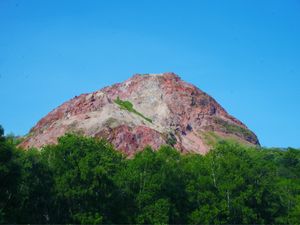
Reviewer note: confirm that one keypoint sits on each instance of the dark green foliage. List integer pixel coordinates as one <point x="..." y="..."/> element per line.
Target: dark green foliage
<point x="126" y="105"/>
<point x="1" y="131"/>
<point x="10" y="174"/>
<point x="171" y="139"/>
<point x="15" y="140"/>
<point x="83" y="170"/>
<point x="35" y="193"/>
<point x="153" y="182"/>
<point x="85" y="181"/>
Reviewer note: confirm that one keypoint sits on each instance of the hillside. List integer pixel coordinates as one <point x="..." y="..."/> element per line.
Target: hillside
<point x="149" y="109"/>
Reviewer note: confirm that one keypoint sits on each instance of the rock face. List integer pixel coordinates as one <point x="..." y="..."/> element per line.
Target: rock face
<point x="148" y="109"/>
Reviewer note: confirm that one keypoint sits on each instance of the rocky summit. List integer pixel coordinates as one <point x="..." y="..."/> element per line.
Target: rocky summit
<point x="146" y="110"/>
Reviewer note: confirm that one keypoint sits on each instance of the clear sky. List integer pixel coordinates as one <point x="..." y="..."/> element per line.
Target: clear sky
<point x="246" y="54"/>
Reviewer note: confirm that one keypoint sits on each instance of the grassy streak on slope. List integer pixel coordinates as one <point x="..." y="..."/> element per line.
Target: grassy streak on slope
<point x="232" y="128"/>
<point x="127" y="105"/>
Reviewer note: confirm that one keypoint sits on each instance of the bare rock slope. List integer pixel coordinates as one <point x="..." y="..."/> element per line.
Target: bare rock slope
<point x="148" y="109"/>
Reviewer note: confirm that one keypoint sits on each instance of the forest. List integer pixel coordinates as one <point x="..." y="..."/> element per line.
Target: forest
<point x="86" y="181"/>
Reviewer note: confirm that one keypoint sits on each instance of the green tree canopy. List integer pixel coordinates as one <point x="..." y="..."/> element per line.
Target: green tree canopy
<point x="86" y="181"/>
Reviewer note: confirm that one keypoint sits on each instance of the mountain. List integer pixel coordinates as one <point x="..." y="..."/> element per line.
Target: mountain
<point x="147" y="109"/>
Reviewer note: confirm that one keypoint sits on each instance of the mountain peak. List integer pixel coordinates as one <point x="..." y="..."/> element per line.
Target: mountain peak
<point x="146" y="109"/>
<point x="166" y="75"/>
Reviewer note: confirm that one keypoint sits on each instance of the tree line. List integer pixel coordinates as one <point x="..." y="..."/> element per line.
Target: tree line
<point x="86" y="181"/>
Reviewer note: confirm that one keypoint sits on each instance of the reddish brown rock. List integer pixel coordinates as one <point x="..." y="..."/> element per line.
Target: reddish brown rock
<point x="178" y="113"/>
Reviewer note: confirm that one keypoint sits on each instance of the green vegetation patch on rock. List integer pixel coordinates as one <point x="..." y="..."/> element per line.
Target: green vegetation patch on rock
<point x="127" y="105"/>
<point x="235" y="129"/>
<point x="210" y="138"/>
<point x="171" y="139"/>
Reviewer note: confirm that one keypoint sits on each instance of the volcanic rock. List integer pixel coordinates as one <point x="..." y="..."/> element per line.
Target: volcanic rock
<point x="146" y="110"/>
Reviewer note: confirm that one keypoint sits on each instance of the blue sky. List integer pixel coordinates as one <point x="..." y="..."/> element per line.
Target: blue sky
<point x="246" y="54"/>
